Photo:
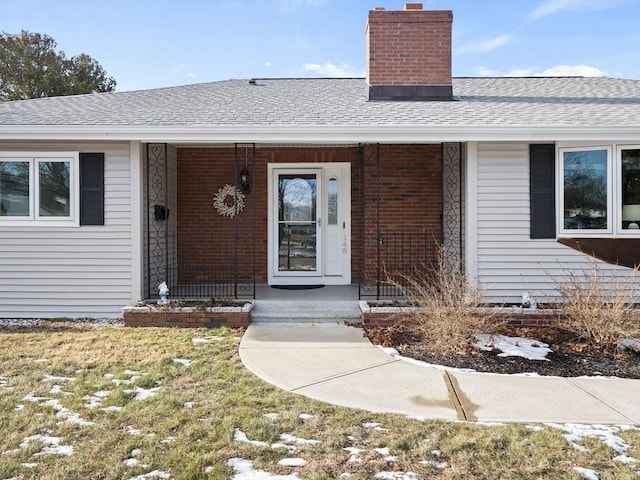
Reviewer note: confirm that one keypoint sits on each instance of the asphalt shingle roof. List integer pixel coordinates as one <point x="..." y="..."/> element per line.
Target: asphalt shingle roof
<point x="480" y="102"/>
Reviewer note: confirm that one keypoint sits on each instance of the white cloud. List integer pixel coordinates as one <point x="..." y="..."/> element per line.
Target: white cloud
<point x="268" y="64"/>
<point x="485" y="46"/>
<point x="551" y="7"/>
<point x="486" y="72"/>
<point x="558" y="71"/>
<point x="572" y="71"/>
<point x="328" y="69"/>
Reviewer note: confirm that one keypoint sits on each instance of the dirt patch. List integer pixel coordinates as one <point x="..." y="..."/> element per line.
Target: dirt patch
<point x="570" y="357"/>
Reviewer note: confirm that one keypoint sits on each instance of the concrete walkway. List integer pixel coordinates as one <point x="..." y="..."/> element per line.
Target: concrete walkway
<point x="337" y="364"/>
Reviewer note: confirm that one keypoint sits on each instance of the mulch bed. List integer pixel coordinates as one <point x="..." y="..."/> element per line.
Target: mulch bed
<point x="570" y="358"/>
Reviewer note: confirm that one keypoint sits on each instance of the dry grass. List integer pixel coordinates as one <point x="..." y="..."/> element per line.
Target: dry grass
<point x="447" y="313"/>
<point x="600" y="306"/>
<point x="193" y="441"/>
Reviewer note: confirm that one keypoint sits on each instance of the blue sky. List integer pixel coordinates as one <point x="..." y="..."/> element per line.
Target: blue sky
<point x="157" y="43"/>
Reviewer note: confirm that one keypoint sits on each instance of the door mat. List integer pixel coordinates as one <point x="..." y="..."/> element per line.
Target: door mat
<point x="296" y="287"/>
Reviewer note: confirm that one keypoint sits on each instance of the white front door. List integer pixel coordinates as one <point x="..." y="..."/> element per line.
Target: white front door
<point x="309" y="224"/>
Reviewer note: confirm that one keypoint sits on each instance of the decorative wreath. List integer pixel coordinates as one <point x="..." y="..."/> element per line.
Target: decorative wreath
<point x="229" y="201"/>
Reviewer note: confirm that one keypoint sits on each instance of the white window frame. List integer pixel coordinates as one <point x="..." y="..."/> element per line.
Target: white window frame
<point x="34" y="218"/>
<point x="618" y="186"/>
<point x="611" y="216"/>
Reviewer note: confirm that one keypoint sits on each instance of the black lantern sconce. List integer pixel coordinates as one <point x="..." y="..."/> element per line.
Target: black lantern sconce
<point x="245" y="181"/>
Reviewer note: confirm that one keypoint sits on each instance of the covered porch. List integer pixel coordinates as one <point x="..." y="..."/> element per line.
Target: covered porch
<point x="219" y="224"/>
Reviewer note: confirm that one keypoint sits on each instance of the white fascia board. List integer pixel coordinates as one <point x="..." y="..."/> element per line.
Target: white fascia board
<point x="321" y="134"/>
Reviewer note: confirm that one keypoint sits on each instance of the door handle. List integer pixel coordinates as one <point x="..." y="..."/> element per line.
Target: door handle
<point x="344" y="225"/>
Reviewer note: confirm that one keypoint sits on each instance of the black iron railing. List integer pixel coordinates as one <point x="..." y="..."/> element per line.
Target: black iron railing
<point x="399" y="256"/>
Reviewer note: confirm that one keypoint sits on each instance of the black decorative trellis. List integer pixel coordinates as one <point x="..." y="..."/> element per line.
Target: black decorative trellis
<point x="233" y="276"/>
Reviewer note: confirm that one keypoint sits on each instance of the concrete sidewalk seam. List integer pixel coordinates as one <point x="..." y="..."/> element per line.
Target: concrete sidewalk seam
<point x="342" y="375"/>
<point x="585" y="390"/>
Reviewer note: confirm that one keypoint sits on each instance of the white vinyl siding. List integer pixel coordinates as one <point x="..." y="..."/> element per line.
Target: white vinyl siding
<point x="509" y="262"/>
<point x="77" y="272"/>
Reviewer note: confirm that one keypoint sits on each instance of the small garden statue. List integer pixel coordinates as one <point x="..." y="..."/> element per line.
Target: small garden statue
<point x="527" y="300"/>
<point x="163" y="290"/>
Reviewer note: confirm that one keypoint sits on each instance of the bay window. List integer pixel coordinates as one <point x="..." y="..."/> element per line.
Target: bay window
<point x="598" y="191"/>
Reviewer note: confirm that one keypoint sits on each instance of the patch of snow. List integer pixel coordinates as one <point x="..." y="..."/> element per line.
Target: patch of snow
<point x="143" y="393"/>
<point x="387" y="455"/>
<point x="396" y="476"/>
<point x="394" y="353"/>
<point x="208" y="469"/>
<point x="271" y="416"/>
<point x="432" y="463"/>
<point x="109" y="376"/>
<point x="606" y="433"/>
<point x="586" y="473"/>
<point x="305" y="416"/>
<point x="241" y="437"/>
<point x="291" y="449"/>
<point x="535" y="428"/>
<point x="286" y="437"/>
<point x="133" y="431"/>
<point x="46" y="439"/>
<point x="130" y="462"/>
<point x="68" y="415"/>
<point x="30" y="398"/>
<point x="514" y="346"/>
<point x="187" y="404"/>
<point x="29" y="465"/>
<point x="51" y="445"/>
<point x="206" y="339"/>
<point x="168" y="440"/>
<point x="57" y="390"/>
<point x="18" y="407"/>
<point x="374" y="425"/>
<point x="112" y="408"/>
<point x="183" y="361"/>
<point x="630" y="344"/>
<point x="132" y="372"/>
<point x="355" y="454"/>
<point x="436" y="453"/>
<point x="626" y="459"/>
<point x="345" y="475"/>
<point x="293" y="462"/>
<point x="95" y="400"/>
<point x="243" y="470"/>
<point x="154" y="474"/>
<point x="54" y="378"/>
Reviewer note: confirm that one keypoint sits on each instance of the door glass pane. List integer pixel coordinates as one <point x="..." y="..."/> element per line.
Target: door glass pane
<point x="297" y="223"/>
<point x="54" y="189"/>
<point x="631" y="189"/>
<point x="585" y="190"/>
<point x="332" y="209"/>
<point x="14" y="189"/>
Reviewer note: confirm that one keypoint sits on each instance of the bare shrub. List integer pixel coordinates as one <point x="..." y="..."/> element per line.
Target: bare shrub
<point x="600" y="306"/>
<point x="447" y="311"/>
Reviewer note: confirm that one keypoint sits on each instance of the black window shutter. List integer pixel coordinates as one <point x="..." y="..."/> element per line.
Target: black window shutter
<point x="92" y="189"/>
<point x="542" y="191"/>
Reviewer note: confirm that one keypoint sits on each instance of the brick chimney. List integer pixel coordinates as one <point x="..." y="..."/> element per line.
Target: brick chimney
<point x="409" y="54"/>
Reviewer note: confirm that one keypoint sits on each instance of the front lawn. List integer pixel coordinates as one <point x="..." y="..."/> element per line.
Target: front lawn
<point x="105" y="402"/>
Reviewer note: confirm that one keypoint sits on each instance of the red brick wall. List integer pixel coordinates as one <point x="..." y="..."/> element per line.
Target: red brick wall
<point x="410" y="194"/>
<point x="411" y="47"/>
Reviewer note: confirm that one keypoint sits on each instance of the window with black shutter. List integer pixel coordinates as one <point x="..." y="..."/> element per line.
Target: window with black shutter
<point x="542" y="193"/>
<point x="92" y="189"/>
